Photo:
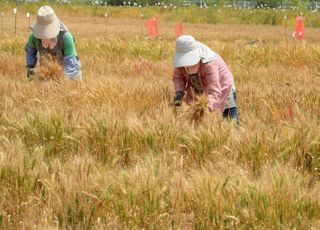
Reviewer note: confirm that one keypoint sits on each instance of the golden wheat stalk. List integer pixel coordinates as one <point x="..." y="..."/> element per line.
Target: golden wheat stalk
<point x="197" y="110"/>
<point x="49" y="70"/>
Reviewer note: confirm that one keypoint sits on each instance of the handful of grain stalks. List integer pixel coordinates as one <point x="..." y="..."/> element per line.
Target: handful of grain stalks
<point x="197" y="111"/>
<point x="50" y="70"/>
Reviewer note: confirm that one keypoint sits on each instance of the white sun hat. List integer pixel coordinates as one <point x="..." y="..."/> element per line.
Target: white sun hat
<point x="187" y="51"/>
<point x="47" y="24"/>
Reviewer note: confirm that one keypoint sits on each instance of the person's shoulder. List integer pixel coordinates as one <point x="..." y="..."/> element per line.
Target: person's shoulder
<point x="31" y="40"/>
<point x="209" y="66"/>
<point x="68" y="35"/>
<point x="179" y="69"/>
<point x="31" y="36"/>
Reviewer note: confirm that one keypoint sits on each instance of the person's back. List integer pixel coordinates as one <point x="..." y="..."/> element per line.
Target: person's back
<point x="224" y="70"/>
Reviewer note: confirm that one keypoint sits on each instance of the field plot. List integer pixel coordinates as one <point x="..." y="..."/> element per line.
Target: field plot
<point x="111" y="152"/>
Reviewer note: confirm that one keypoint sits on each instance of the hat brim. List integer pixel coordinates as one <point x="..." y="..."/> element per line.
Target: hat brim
<point x="186" y="59"/>
<point x="46" y="31"/>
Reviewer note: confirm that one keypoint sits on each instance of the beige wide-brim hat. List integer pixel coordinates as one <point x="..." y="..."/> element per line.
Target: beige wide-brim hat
<point x="187" y="51"/>
<point x="47" y="24"/>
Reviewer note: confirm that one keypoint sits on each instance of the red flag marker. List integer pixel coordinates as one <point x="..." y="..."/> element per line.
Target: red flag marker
<point x="179" y="29"/>
<point x="152" y="27"/>
<point x="299" y="31"/>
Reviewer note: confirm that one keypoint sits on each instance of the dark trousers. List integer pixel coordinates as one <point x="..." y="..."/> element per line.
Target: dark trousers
<point x="232" y="114"/>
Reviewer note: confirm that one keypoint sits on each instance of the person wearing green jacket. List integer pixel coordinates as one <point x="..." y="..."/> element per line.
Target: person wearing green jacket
<point x="50" y="36"/>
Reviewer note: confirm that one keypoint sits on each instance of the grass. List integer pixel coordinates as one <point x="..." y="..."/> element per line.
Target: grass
<point x="111" y="152"/>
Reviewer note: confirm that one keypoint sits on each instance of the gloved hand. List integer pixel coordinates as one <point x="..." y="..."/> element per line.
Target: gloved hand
<point x="177" y="101"/>
<point x="30" y="73"/>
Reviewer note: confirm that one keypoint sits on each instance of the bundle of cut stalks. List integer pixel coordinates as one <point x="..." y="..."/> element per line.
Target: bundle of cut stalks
<point x="197" y="111"/>
<point x="50" y="70"/>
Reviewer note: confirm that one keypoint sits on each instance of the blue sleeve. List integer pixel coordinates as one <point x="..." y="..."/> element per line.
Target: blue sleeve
<point x="72" y="67"/>
<point x="31" y="56"/>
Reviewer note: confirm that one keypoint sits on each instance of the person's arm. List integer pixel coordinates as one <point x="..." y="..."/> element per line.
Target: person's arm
<point x="31" y="56"/>
<point x="213" y="88"/>
<point x="179" y="80"/>
<point x="72" y="67"/>
<point x="71" y="62"/>
<point x="31" y="52"/>
<point x="179" y="83"/>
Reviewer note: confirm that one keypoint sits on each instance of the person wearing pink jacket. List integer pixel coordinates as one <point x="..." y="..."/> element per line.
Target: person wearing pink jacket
<point x="198" y="70"/>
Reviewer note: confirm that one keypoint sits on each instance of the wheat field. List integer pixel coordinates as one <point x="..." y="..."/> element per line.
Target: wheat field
<point x="111" y="152"/>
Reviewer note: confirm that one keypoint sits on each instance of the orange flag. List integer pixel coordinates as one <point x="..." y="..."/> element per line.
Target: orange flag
<point x="152" y="27"/>
<point x="179" y="29"/>
<point x="299" y="32"/>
